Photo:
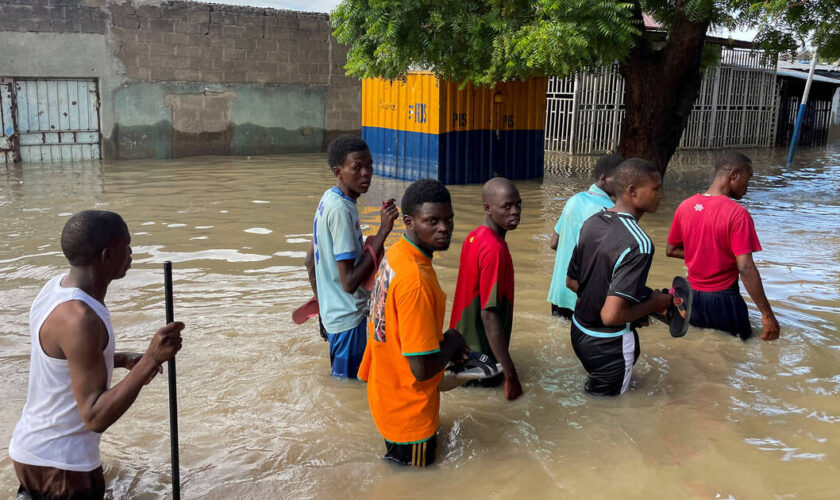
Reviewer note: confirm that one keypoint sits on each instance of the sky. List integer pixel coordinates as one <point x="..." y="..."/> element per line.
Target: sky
<point x="328" y="5"/>
<point x="308" y="5"/>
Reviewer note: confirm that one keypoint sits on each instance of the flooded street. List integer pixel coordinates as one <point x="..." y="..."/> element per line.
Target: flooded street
<point x="707" y="416"/>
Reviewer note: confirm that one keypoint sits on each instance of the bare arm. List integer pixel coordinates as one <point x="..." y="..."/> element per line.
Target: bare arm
<point x="495" y="335"/>
<point x="752" y="282"/>
<point x="555" y="239"/>
<point x="77" y="332"/>
<point x="129" y="360"/>
<point x="353" y="275"/>
<point x="428" y="365"/>
<point x="310" y="268"/>
<point x="618" y="311"/>
<point x="572" y="284"/>
<point x="123" y="359"/>
<point x="677" y="252"/>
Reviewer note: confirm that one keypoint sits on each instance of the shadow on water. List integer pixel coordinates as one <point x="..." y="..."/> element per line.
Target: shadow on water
<point x="707" y="416"/>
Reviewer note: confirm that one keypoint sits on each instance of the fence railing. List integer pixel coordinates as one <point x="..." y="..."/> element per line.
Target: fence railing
<point x="737" y="107"/>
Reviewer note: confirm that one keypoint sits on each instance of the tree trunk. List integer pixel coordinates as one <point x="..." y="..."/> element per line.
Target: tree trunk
<point x="661" y="85"/>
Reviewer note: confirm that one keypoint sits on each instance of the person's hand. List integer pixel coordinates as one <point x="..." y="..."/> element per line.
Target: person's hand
<point x="131" y="360"/>
<point x="771" y="327"/>
<point x="388" y="214"/>
<point x="165" y="343"/>
<point x="462" y="351"/>
<point x="513" y="389"/>
<point x="661" y="300"/>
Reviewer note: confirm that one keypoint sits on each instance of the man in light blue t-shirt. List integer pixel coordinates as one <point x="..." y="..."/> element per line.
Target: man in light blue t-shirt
<point x="338" y="259"/>
<point x="577" y="209"/>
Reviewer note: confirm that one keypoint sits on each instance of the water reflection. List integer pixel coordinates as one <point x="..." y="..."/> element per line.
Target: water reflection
<point x="707" y="415"/>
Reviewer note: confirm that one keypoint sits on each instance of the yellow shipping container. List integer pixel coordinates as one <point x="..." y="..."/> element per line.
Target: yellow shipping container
<point x="424" y="127"/>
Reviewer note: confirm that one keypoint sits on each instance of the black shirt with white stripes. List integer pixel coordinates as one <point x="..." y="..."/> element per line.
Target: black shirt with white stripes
<point x="612" y="257"/>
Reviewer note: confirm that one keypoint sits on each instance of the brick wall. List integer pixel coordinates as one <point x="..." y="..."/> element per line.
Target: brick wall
<point x="54" y="16"/>
<point x="186" y="41"/>
<point x="220" y="43"/>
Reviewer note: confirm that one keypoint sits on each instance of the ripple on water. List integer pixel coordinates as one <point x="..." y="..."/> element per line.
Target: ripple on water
<point x="296" y="255"/>
<point x="788" y="453"/>
<point x="229" y="255"/>
<point x="258" y="230"/>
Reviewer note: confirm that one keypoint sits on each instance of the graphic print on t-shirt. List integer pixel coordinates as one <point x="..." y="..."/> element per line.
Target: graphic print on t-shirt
<point x="378" y="298"/>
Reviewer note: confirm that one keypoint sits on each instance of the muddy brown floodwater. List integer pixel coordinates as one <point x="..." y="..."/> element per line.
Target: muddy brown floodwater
<point x="707" y="416"/>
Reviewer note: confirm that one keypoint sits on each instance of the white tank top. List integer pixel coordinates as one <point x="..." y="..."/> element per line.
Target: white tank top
<point x="50" y="432"/>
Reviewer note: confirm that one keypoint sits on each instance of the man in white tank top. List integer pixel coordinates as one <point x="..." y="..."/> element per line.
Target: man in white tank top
<point x="55" y="445"/>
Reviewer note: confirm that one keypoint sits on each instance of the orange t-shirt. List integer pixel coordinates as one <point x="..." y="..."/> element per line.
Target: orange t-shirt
<point x="407" y="307"/>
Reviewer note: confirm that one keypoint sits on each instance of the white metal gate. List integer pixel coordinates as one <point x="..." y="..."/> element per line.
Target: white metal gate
<point x="52" y="120"/>
<point x="737" y="106"/>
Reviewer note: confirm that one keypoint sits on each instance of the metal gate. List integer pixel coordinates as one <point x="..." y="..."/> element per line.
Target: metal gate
<point x="7" y="124"/>
<point x="49" y="120"/>
<point x="736" y="107"/>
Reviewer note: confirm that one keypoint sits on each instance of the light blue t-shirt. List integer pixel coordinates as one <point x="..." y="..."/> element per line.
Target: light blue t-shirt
<point x="578" y="208"/>
<point x="337" y="236"/>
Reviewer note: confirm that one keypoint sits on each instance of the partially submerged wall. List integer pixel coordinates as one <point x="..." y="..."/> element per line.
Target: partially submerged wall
<point x="182" y="78"/>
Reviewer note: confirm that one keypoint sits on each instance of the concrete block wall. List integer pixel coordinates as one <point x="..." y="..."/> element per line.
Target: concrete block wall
<point x="183" y="78"/>
<point x="53" y="16"/>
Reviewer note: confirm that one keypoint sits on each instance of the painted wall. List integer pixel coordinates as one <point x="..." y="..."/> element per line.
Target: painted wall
<point x="182" y="78"/>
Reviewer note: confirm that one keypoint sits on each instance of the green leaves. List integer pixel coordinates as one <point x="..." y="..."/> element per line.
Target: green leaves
<point x="486" y="41"/>
<point x="482" y="41"/>
<point x="787" y="25"/>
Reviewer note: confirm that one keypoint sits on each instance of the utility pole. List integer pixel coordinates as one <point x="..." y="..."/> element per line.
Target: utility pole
<point x="797" y="126"/>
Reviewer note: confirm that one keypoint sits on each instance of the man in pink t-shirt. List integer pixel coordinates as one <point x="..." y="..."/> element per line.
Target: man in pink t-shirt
<point x="716" y="237"/>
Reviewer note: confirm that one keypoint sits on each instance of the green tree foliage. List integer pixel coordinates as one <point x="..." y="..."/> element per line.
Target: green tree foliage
<point x="785" y="25"/>
<point x="485" y="41"/>
<point x="482" y="41"/>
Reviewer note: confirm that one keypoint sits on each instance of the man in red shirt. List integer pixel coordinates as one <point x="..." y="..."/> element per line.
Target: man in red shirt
<point x="716" y="238"/>
<point x="483" y="306"/>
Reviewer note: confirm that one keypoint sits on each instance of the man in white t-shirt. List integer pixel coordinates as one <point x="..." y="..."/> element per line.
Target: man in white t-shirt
<point x="338" y="261"/>
<point x="55" y="445"/>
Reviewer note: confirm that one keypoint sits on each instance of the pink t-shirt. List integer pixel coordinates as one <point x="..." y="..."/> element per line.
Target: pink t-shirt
<point x="713" y="230"/>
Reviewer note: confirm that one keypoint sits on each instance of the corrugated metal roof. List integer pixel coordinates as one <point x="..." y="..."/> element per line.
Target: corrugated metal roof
<point x="804" y="76"/>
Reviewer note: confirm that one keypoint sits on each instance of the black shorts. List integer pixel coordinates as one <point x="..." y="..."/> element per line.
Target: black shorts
<point x="561" y="312"/>
<point x="609" y="361"/>
<point x="417" y="454"/>
<point x="724" y="310"/>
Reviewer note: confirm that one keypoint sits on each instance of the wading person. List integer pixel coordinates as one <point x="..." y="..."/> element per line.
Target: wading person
<point x="407" y="350"/>
<point x="337" y="256"/>
<point x="608" y="271"/>
<point x="482" y="310"/>
<point x="716" y="237"/>
<point x="578" y="208"/>
<point x="55" y="445"/>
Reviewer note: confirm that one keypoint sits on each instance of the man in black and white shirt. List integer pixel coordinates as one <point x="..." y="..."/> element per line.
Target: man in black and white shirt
<point x="608" y="271"/>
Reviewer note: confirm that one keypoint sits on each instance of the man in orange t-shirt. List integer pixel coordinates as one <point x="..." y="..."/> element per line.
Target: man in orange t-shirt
<point x="407" y="352"/>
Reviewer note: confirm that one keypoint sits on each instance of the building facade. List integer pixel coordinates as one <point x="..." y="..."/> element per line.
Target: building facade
<point x="89" y="79"/>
